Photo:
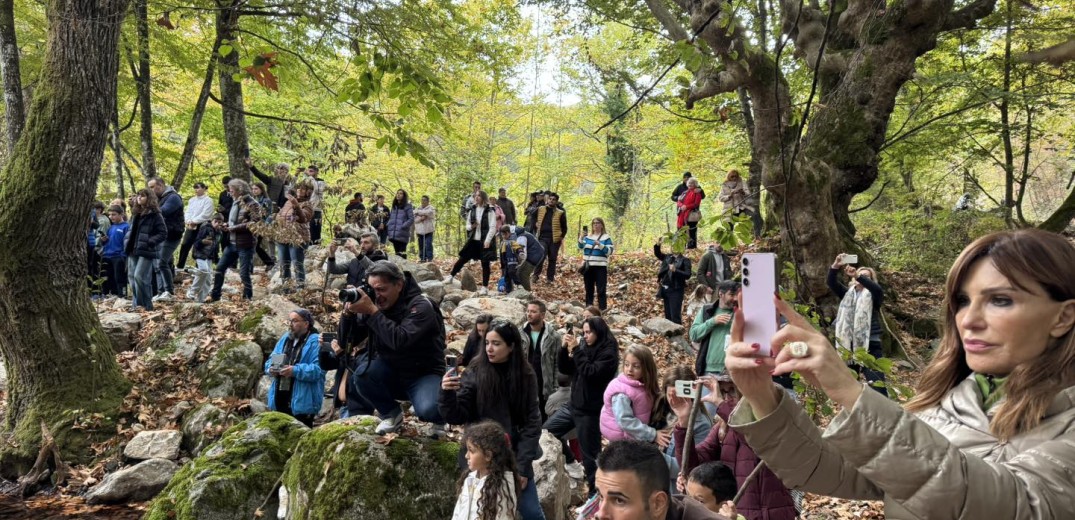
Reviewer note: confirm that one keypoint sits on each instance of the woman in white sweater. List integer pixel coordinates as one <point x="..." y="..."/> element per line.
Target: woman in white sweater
<point x="481" y="239"/>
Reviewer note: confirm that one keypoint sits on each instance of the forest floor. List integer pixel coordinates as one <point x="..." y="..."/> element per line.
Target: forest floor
<point x="631" y="290"/>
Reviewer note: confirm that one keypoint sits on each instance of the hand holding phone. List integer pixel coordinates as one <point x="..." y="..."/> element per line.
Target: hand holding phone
<point x="685" y="388"/>
<point x="759" y="288"/>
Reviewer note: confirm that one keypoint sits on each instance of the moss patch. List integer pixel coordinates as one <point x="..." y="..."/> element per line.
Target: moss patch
<point x="253" y="319"/>
<point x="339" y="471"/>
<point x="234" y="475"/>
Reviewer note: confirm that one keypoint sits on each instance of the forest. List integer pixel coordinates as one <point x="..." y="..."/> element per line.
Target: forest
<point x="897" y="130"/>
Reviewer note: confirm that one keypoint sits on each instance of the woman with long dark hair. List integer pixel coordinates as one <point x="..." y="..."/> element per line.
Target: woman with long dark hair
<point x="481" y="239"/>
<point x="148" y="231"/>
<point x="400" y="222"/>
<point x="476" y="339"/>
<point x="989" y="433"/>
<point x="500" y="385"/>
<point x="596" y="248"/>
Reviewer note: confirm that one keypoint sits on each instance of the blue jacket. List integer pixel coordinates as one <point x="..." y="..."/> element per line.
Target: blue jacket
<point x="308" y="387"/>
<point x="116" y="234"/>
<point x="400" y="221"/>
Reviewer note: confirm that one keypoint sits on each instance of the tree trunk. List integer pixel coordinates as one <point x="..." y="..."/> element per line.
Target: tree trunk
<point x="14" y="112"/>
<point x="196" y="120"/>
<point x="231" y="95"/>
<point x="1061" y="218"/>
<point x="1005" y="120"/>
<point x="60" y="362"/>
<point x="143" y="78"/>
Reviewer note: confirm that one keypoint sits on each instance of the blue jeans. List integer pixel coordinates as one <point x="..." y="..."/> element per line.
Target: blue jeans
<point x="165" y="266"/>
<point x="245" y="257"/>
<point x="140" y="272"/>
<point x="529" y="506"/>
<point x="425" y="247"/>
<point x="286" y="255"/>
<point x="382" y="386"/>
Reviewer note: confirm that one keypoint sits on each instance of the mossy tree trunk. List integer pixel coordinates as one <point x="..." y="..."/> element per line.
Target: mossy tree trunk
<point x="231" y="92"/>
<point x="861" y="54"/>
<point x="143" y="78"/>
<point x="9" y="61"/>
<point x="60" y="362"/>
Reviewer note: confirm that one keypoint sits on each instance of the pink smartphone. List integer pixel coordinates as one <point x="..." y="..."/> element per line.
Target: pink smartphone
<point x="759" y="286"/>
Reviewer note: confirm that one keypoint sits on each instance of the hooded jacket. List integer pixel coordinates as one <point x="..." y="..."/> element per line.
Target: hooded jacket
<point x="408" y="336"/>
<point x="543" y="359"/>
<point x="591" y="369"/>
<point x="171" y="205"/>
<point x="939" y="464"/>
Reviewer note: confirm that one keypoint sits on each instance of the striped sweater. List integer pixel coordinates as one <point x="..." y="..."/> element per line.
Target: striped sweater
<point x="596" y="249"/>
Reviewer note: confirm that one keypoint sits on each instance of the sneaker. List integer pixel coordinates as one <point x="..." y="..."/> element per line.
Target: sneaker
<point x="163" y="297"/>
<point x="482" y="291"/>
<point x="390" y="424"/>
<point x="449" y="279"/>
<point x="438" y="431"/>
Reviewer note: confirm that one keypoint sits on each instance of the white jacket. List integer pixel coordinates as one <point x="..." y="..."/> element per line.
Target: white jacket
<point x="466" y="507"/>
<point x="424" y="220"/>
<point x="199" y="209"/>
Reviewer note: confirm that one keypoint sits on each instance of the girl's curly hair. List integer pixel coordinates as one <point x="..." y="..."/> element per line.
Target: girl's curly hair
<point x="489" y="437"/>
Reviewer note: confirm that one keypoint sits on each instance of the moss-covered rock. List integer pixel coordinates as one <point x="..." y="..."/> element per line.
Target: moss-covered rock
<point x="234" y="475"/>
<point x="233" y="370"/>
<point x="267" y="322"/>
<point x="340" y="470"/>
<point x="202" y="426"/>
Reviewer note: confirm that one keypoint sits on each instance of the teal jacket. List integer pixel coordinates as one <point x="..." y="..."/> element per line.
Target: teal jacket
<point x="308" y="388"/>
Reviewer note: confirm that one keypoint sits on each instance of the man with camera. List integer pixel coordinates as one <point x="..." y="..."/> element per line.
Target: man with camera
<point x="298" y="382"/>
<point x="365" y="254"/>
<point x="405" y="355"/>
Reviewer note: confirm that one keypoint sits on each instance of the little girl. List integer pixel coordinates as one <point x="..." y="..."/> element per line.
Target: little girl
<point x="631" y="398"/>
<point x="488" y="490"/>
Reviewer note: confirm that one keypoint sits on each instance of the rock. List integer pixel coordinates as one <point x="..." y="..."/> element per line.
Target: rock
<point x="553" y="308"/>
<point x="185" y="345"/>
<point x="447" y="307"/>
<point x="520" y="294"/>
<point x="233" y="370"/>
<point x="257" y="407"/>
<point x="550" y="477"/>
<point x="683" y="344"/>
<point x="134" y="484"/>
<point x="467" y="281"/>
<point x="180" y="408"/>
<point x="453" y="297"/>
<point x="635" y="331"/>
<point x="468" y="310"/>
<point x="202" y="426"/>
<point x="267" y="321"/>
<point x="340" y="470"/>
<point x="231" y="479"/>
<point x="663" y="327"/>
<point x="262" y="391"/>
<point x="434" y="289"/>
<point x="457" y="346"/>
<point x="121" y="328"/>
<point x="158" y="444"/>
<point x="432" y="268"/>
<point x="121" y="305"/>
<point x="615" y="318"/>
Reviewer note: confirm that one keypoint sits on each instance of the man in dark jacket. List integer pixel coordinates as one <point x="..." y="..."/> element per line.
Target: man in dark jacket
<point x="632" y="479"/>
<point x="364" y="257"/>
<point x="507" y="206"/>
<point x="355" y="212"/>
<point x="342" y="355"/>
<point x="682" y="187"/>
<point x="171" y="205"/>
<point x="714" y="267"/>
<point x="405" y="355"/>
<point x="379" y="214"/>
<point x="672" y="280"/>
<point x="550" y="227"/>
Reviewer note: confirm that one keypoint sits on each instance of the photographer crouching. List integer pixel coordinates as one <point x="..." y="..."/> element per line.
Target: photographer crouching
<point x="404" y="360"/>
<point x="341" y="351"/>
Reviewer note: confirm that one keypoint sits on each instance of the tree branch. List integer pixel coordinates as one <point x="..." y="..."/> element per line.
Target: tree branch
<point x="968" y="16"/>
<point x="1055" y="55"/>
<point x="668" y="20"/>
<point x="337" y="128"/>
<point x="868" y="204"/>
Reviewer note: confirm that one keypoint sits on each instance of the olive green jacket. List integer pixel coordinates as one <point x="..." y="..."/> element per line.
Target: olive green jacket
<point x="938" y="464"/>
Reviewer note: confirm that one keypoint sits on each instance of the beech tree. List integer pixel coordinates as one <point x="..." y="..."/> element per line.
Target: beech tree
<point x="60" y="363"/>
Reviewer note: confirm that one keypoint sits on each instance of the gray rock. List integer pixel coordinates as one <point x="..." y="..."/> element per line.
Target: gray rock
<point x="683" y="344"/>
<point x="468" y="310"/>
<point x="457" y="345"/>
<point x="267" y="321"/>
<point x="202" y="426"/>
<point x="635" y="331"/>
<point x="615" y="318"/>
<point x="432" y="268"/>
<point x="467" y="281"/>
<point x="551" y="479"/>
<point x="262" y="392"/>
<point x="663" y="327"/>
<point x="184" y="346"/>
<point x="121" y="328"/>
<point x="121" y="305"/>
<point x="521" y="294"/>
<point x="434" y="289"/>
<point x="233" y="370"/>
<point x="447" y="308"/>
<point x="157" y="444"/>
<point x="232" y="477"/>
<point x="257" y="407"/>
<point x="134" y="484"/>
<point x="454" y="297"/>
<point x="553" y="308"/>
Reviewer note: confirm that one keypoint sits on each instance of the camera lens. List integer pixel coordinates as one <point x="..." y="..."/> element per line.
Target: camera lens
<point x="746" y="261"/>
<point x="746" y="272"/>
<point x="746" y="282"/>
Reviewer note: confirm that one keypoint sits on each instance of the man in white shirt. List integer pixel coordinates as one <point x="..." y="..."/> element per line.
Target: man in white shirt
<point x="200" y="209"/>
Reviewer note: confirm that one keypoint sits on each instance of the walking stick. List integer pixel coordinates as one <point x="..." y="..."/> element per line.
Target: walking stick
<point x="688" y="440"/>
<point x="747" y="481"/>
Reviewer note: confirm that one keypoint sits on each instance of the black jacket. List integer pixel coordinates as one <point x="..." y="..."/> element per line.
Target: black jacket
<point x="409" y="336"/>
<point x="355" y="269"/>
<point x="472" y="348"/>
<point x="207" y="242"/>
<point x="173" y="221"/>
<point x="465" y="406"/>
<point x="147" y="232"/>
<point x="591" y="370"/>
<point x="673" y="277"/>
<point x="346" y="360"/>
<point x="275" y="185"/>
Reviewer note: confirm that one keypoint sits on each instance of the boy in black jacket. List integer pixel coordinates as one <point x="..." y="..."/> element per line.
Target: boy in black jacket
<point x="206" y="246"/>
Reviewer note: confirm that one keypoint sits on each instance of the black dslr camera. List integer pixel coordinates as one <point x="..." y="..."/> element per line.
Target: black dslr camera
<point x="352" y="295"/>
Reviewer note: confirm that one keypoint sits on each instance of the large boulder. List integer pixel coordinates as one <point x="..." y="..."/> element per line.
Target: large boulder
<point x="341" y="470"/>
<point x="234" y="475"/>
<point x="508" y="308"/>
<point x="133" y="484"/>
<point x="434" y="289"/>
<point x="663" y="327"/>
<point x="620" y="319"/>
<point x="467" y="281"/>
<point x="157" y="444"/>
<point x="121" y="328"/>
<point x="184" y="345"/>
<point x="267" y="321"/>
<point x="203" y="425"/>
<point x="553" y="483"/>
<point x="233" y="370"/>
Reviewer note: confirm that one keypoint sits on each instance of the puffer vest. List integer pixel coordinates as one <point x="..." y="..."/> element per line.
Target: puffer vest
<point x="641" y="403"/>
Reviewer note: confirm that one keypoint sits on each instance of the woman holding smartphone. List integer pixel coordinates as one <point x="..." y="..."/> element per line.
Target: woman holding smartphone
<point x="596" y="248"/>
<point x="990" y="433"/>
<point x="858" y="321"/>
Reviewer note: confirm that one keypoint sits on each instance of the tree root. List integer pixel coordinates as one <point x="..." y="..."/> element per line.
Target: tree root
<point x="48" y="464"/>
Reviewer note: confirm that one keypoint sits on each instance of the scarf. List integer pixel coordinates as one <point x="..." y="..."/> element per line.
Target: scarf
<point x="853" y="320"/>
<point x="992" y="389"/>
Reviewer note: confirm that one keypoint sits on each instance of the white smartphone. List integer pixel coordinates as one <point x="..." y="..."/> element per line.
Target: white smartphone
<point x="759" y="287"/>
<point x="685" y="388"/>
<point x="850" y="259"/>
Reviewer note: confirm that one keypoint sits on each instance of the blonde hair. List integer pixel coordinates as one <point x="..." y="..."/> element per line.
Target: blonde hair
<point x="649" y="369"/>
<point x="1030" y="255"/>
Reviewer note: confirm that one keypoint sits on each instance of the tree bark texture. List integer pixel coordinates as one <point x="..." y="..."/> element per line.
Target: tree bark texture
<point x="231" y="95"/>
<point x="144" y="80"/>
<point x="14" y="113"/>
<point x="861" y="60"/>
<point x="60" y="363"/>
<point x="191" y="143"/>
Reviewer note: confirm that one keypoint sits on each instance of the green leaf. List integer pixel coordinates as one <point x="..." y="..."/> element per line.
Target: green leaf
<point x="225" y="50"/>
<point x="237" y="77"/>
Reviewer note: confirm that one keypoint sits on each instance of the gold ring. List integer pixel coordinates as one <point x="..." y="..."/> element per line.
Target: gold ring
<point x="799" y="349"/>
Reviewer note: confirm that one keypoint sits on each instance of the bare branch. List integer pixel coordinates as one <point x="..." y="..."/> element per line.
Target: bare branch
<point x="340" y="129"/>
<point x="668" y="20"/>
<point x="968" y="16"/>
<point x="1055" y="55"/>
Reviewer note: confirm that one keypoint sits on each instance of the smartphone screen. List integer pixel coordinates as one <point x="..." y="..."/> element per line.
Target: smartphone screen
<point x="759" y="287"/>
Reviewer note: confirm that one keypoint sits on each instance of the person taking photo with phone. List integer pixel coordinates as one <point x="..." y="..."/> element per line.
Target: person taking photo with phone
<point x="858" y="322"/>
<point x="989" y="433"/>
<point x="596" y="248"/>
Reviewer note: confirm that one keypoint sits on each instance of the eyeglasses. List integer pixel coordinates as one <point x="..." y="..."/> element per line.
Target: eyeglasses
<point x="299" y="320"/>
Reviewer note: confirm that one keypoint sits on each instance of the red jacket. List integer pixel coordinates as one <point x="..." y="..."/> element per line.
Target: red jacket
<point x="766" y="498"/>
<point x="690" y="200"/>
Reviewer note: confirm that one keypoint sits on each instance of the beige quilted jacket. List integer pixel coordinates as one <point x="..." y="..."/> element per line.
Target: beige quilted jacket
<point x="939" y="464"/>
